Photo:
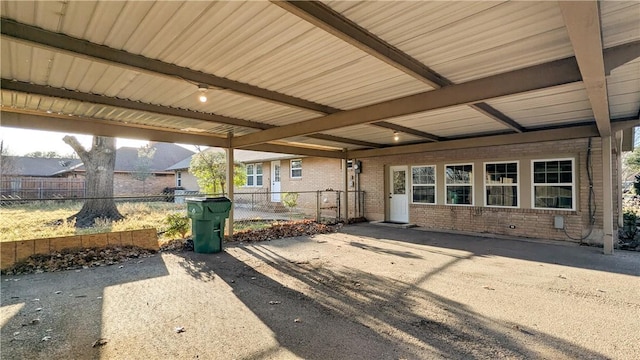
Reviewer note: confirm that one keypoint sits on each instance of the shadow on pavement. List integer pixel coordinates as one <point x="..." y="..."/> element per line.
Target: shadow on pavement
<point x="59" y="315"/>
<point x="344" y="312"/>
<point x="570" y="254"/>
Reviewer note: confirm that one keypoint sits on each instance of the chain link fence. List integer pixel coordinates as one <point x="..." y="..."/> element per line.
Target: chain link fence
<point x="25" y="218"/>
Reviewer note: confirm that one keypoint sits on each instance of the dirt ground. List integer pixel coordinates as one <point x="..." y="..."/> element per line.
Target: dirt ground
<point x="366" y="292"/>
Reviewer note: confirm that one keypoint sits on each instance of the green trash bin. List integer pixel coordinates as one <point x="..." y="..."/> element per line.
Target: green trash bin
<point x="207" y="222"/>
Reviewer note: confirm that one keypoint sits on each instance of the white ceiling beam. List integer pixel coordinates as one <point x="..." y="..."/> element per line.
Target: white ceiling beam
<point x="496" y="140"/>
<point x="514" y="82"/>
<point x="26" y="119"/>
<point x="7" y="84"/>
<point x="532" y="136"/>
<point x="582" y="19"/>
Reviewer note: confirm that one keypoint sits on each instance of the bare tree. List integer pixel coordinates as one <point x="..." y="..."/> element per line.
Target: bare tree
<point x="7" y="164"/>
<point x="99" y="163"/>
<point x="143" y="171"/>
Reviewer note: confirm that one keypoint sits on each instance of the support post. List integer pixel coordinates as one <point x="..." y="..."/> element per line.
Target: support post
<point x="619" y="182"/>
<point x="230" y="185"/>
<point x="607" y="195"/>
<point x="318" y="206"/>
<point x="345" y="178"/>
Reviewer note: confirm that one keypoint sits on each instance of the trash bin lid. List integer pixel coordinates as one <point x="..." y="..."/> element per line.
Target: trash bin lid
<point x="209" y="199"/>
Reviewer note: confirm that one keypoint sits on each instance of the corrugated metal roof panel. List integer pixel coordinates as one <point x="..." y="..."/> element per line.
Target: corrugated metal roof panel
<point x="555" y="106"/>
<point x="619" y="21"/>
<point x="623" y="86"/>
<point x="467" y="40"/>
<point x="263" y="45"/>
<point x="454" y="121"/>
<point x="76" y="108"/>
<point x="74" y="73"/>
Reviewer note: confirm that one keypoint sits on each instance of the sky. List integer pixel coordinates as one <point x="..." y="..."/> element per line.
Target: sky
<point x="20" y="141"/>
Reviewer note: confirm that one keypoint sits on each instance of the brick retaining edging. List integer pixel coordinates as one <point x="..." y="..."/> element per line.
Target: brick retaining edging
<point x="13" y="251"/>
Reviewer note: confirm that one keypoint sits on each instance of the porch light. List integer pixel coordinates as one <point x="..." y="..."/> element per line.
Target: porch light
<point x="396" y="136"/>
<point x="203" y="93"/>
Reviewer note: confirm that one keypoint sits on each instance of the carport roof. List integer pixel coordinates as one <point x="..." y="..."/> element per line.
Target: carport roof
<point x="323" y="78"/>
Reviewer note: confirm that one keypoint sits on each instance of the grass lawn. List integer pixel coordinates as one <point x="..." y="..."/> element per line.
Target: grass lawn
<point x="41" y="219"/>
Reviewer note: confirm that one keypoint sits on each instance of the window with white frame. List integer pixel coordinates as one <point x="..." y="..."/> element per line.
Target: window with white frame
<point x="459" y="184"/>
<point x="501" y="184"/>
<point x="553" y="184"/>
<point x="423" y="184"/>
<point x="296" y="169"/>
<point x="179" y="178"/>
<point x="254" y="175"/>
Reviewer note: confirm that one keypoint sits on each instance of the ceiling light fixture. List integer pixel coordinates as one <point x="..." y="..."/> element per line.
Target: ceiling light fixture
<point x="203" y="93"/>
<point x="396" y="136"/>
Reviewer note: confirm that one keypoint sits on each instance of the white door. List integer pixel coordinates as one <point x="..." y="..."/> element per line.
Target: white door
<point x="275" y="181"/>
<point x="398" y="194"/>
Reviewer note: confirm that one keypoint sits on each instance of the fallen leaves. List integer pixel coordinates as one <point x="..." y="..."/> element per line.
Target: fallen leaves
<point x="285" y="229"/>
<point x="76" y="259"/>
<point x="100" y="342"/>
<point x="71" y="259"/>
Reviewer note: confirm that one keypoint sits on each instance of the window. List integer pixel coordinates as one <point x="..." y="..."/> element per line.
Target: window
<point x="254" y="175"/>
<point x="501" y="184"/>
<point x="179" y="178"/>
<point x="296" y="168"/>
<point x="459" y="184"/>
<point x="423" y="184"/>
<point x="553" y="184"/>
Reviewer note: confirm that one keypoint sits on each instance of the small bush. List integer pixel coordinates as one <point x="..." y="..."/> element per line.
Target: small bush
<point x="290" y="200"/>
<point x="629" y="221"/>
<point x="178" y="225"/>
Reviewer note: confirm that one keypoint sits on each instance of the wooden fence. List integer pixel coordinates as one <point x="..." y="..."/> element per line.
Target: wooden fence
<point x="41" y="188"/>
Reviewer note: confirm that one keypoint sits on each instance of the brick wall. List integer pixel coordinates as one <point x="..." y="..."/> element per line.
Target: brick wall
<point x="124" y="184"/>
<point x="14" y="251"/>
<point x="317" y="174"/>
<point x="523" y="221"/>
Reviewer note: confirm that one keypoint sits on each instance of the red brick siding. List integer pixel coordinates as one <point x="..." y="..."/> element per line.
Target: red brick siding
<point x="522" y="221"/>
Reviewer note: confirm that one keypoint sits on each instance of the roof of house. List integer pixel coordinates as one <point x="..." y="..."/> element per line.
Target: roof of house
<point x="241" y="156"/>
<point x="165" y="155"/>
<point x="31" y="166"/>
<point x="126" y="161"/>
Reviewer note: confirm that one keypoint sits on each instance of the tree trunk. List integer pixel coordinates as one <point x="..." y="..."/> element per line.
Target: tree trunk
<point x="99" y="163"/>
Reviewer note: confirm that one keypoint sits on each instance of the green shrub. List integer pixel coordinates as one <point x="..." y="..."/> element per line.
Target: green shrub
<point x="178" y="225"/>
<point x="629" y="221"/>
<point x="290" y="200"/>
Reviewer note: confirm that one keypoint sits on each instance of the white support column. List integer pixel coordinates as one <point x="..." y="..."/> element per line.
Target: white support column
<point x="230" y="176"/>
<point x="607" y="196"/>
<point x="345" y="178"/>
<point x="619" y="137"/>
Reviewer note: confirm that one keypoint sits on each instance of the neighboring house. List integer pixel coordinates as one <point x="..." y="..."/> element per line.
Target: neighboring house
<point x="27" y="178"/>
<point x="270" y="175"/>
<point x="127" y="164"/>
<point x="273" y="173"/>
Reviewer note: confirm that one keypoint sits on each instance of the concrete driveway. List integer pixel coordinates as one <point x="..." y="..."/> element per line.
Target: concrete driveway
<point x="367" y="292"/>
